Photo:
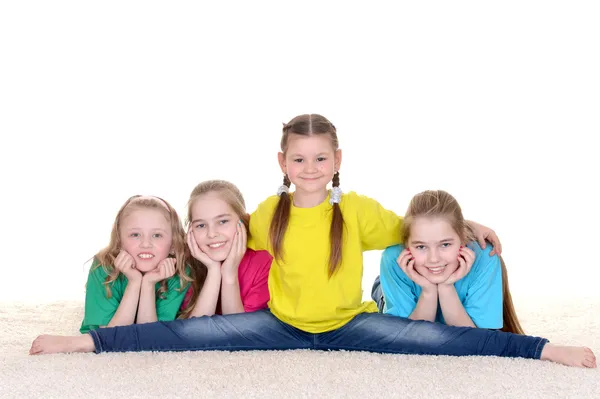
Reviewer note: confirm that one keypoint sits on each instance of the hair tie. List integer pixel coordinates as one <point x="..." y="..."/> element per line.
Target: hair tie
<point x="283" y="189"/>
<point x="336" y="195"/>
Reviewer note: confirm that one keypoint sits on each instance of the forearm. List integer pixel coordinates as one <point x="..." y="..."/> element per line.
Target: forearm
<point x="147" y="307"/>
<point x="426" y="308"/>
<point x="231" y="300"/>
<point x="125" y="314"/>
<point x="452" y="308"/>
<point x="206" y="304"/>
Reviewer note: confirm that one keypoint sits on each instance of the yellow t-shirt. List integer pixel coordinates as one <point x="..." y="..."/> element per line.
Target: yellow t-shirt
<point x="302" y="294"/>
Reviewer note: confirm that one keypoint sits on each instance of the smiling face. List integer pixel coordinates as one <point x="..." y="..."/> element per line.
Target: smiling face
<point x="434" y="245"/>
<point x="214" y="225"/>
<point x="147" y="236"/>
<point x="310" y="161"/>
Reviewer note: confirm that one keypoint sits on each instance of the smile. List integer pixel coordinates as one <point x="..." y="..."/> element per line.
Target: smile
<point x="436" y="270"/>
<point x="217" y="245"/>
<point x="145" y="256"/>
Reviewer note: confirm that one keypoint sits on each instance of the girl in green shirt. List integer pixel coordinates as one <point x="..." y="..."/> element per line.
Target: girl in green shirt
<point x="140" y="277"/>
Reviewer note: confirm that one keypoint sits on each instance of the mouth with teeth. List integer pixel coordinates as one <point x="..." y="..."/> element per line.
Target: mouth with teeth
<point x="436" y="270"/>
<point x="217" y="245"/>
<point x="145" y="256"/>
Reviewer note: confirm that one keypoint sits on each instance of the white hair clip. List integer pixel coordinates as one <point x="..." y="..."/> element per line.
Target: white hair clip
<point x="283" y="189"/>
<point x="336" y="195"/>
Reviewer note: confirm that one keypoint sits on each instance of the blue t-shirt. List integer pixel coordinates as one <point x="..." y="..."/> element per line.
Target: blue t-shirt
<point x="480" y="291"/>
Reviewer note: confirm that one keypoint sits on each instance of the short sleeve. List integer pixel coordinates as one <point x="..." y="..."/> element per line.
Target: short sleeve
<point x="99" y="309"/>
<point x="399" y="291"/>
<point x="379" y="227"/>
<point x="257" y="296"/>
<point x="168" y="307"/>
<point x="483" y="301"/>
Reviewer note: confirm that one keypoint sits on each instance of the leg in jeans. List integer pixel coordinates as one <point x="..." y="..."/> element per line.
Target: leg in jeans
<point x="243" y="331"/>
<point x="376" y="332"/>
<point x="377" y="294"/>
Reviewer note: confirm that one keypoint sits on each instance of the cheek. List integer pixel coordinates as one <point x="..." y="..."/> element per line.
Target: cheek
<point x="199" y="237"/>
<point x="419" y="258"/>
<point x="127" y="244"/>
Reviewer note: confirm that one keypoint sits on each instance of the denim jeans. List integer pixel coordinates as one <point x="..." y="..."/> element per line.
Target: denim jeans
<point x="371" y="332"/>
<point x="377" y="294"/>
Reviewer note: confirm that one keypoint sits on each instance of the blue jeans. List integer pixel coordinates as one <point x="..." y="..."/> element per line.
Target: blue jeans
<point x="377" y="294"/>
<point x="371" y="332"/>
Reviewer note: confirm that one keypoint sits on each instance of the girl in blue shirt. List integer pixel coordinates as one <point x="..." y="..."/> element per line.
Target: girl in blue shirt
<point x="443" y="274"/>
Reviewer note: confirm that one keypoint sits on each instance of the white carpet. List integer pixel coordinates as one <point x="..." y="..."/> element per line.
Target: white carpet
<point x="293" y="374"/>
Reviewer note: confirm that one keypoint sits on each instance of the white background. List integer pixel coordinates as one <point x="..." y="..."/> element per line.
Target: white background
<point x="496" y="103"/>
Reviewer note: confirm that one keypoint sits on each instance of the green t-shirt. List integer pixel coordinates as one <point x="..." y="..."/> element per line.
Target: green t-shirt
<point x="99" y="309"/>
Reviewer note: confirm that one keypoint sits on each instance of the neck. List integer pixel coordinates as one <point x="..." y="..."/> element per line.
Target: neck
<point x="309" y="200"/>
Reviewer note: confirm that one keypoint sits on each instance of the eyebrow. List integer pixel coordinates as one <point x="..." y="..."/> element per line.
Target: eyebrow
<point x="422" y="242"/>
<point x="139" y="228"/>
<point x="318" y="155"/>
<point x="216" y="217"/>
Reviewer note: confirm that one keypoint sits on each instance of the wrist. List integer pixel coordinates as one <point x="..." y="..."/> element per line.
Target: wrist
<point x="147" y="282"/>
<point x="445" y="288"/>
<point x="429" y="291"/>
<point x="229" y="279"/>
<point x="214" y="272"/>
<point x="134" y="280"/>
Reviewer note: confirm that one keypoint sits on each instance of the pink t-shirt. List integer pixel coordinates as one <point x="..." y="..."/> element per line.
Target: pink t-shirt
<point x="253" y="275"/>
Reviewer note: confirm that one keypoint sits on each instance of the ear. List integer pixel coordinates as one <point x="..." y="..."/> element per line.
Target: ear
<point x="338" y="160"/>
<point x="282" y="165"/>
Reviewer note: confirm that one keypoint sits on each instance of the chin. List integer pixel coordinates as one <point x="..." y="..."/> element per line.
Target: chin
<point x="147" y="268"/>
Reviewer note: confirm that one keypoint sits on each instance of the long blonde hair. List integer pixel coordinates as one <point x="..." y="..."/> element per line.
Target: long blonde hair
<point x="106" y="257"/>
<point x="308" y="125"/>
<point x="439" y="203"/>
<point x="229" y="193"/>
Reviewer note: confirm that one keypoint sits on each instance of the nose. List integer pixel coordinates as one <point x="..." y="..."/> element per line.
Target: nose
<point x="145" y="242"/>
<point x="310" y="167"/>
<point x="211" y="232"/>
<point x="433" y="256"/>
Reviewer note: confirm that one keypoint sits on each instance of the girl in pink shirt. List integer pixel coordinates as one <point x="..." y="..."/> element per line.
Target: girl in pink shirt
<point x="230" y="278"/>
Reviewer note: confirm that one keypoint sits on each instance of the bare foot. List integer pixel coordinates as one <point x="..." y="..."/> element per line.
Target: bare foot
<point x="578" y="356"/>
<point x="45" y="344"/>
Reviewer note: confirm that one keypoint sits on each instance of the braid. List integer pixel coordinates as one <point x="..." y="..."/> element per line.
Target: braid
<point x="279" y="223"/>
<point x="335" y="182"/>
<point x="336" y="232"/>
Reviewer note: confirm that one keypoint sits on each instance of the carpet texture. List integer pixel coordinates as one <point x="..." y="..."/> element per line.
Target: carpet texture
<point x="293" y="374"/>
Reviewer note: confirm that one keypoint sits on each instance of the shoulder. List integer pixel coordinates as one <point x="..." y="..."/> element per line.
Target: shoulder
<point x="392" y="252"/>
<point x="97" y="270"/>
<point x="255" y="260"/>
<point x="268" y="204"/>
<point x="256" y="256"/>
<point x="353" y="198"/>
<point x="484" y="263"/>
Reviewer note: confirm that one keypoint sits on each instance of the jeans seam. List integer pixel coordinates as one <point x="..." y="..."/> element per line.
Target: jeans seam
<point x="96" y="339"/>
<point x="538" y="350"/>
<point x="366" y="349"/>
<point x="225" y="348"/>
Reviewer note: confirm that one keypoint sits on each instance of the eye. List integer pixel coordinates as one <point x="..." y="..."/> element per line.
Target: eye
<point x="420" y="247"/>
<point x="157" y="235"/>
<point x="200" y="225"/>
<point x="446" y="245"/>
<point x="223" y="221"/>
<point x="135" y="235"/>
<point x="321" y="159"/>
<point x="298" y="160"/>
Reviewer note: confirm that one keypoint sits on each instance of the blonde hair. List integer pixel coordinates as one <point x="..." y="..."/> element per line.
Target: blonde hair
<point x="106" y="257"/>
<point x="308" y="125"/>
<point x="439" y="203"/>
<point x="231" y="195"/>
